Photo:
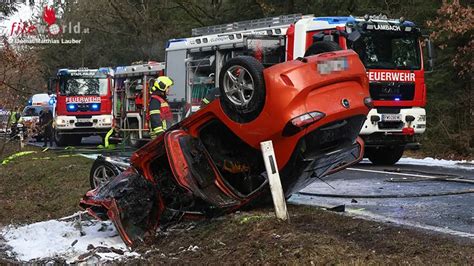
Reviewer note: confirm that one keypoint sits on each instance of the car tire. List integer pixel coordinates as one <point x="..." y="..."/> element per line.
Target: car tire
<point x="102" y="172"/>
<point x="322" y="47"/>
<point x="242" y="88"/>
<point x="385" y="155"/>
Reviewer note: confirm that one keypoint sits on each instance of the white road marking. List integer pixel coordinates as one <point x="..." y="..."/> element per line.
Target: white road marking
<point x="411" y="175"/>
<point x="390" y="173"/>
<point x="380" y="218"/>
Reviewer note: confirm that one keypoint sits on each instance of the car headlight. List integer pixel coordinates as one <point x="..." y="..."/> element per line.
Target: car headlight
<point x="107" y="120"/>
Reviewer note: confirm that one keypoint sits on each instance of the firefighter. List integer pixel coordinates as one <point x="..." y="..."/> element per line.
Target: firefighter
<point x="14" y="119"/>
<point x="210" y="96"/>
<point x="46" y="124"/>
<point x="160" y="112"/>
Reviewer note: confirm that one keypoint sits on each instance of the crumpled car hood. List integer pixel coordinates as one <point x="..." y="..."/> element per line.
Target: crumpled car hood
<point x="130" y="201"/>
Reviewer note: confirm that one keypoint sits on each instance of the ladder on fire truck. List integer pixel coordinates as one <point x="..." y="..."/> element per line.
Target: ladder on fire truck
<point x="284" y="21"/>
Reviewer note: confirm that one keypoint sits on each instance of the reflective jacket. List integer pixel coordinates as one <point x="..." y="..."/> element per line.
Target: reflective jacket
<point x="13" y="118"/>
<point x="160" y="115"/>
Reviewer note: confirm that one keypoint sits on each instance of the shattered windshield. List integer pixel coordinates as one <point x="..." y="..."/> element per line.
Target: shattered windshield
<point x="388" y="50"/>
<point x="84" y="86"/>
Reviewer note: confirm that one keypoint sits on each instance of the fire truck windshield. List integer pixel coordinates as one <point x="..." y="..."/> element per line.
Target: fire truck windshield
<point x="84" y="86"/>
<point x="388" y="50"/>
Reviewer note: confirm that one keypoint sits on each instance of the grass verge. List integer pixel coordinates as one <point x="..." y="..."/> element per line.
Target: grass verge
<point x="42" y="185"/>
<point x="313" y="236"/>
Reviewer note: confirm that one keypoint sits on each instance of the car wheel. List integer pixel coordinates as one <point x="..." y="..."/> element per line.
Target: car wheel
<point x="385" y="155"/>
<point x="322" y="47"/>
<point x="101" y="173"/>
<point x="242" y="88"/>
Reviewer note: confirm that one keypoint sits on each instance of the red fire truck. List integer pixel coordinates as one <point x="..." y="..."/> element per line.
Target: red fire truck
<point x="131" y="96"/>
<point x="84" y="104"/>
<point x="391" y="50"/>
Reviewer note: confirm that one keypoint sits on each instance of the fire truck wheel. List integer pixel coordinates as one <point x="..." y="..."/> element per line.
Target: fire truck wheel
<point x="242" y="88"/>
<point x="385" y="155"/>
<point x="102" y="172"/>
<point x="322" y="47"/>
<point x="61" y="140"/>
<point x="65" y="140"/>
<point x="75" y="140"/>
<point x="135" y="141"/>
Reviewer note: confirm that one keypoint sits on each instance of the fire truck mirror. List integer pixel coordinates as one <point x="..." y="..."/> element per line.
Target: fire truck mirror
<point x="51" y="87"/>
<point x="431" y="54"/>
<point x="353" y="36"/>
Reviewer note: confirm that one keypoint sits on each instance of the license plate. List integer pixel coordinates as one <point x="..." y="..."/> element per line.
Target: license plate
<point x="83" y="120"/>
<point x="391" y="117"/>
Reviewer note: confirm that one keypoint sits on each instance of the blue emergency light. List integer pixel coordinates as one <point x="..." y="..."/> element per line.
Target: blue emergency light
<point x="71" y="107"/>
<point x="63" y="72"/>
<point x="52" y="101"/>
<point x="95" y="107"/>
<point x="335" y="20"/>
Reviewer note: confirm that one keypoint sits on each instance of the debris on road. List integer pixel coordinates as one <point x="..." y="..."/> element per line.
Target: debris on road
<point x="338" y="208"/>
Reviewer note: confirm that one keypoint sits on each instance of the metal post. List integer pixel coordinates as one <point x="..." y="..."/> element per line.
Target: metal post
<point x="274" y="180"/>
<point x="22" y="144"/>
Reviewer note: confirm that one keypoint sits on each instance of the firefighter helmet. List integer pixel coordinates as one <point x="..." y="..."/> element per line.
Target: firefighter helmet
<point x="162" y="83"/>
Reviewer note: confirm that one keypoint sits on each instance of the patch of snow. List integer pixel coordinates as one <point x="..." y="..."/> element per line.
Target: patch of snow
<point x="428" y="161"/>
<point x="63" y="239"/>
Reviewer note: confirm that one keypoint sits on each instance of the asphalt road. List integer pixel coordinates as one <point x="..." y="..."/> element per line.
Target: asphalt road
<point x="404" y="194"/>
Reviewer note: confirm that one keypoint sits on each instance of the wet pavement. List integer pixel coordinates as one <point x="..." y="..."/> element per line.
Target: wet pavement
<point x="89" y="142"/>
<point x="430" y="197"/>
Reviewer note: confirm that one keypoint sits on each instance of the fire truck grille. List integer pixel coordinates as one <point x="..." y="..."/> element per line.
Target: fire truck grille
<point x="83" y="107"/>
<point x="392" y="91"/>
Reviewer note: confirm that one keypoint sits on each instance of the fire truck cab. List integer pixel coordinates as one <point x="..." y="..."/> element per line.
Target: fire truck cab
<point x="84" y="104"/>
<point x="390" y="49"/>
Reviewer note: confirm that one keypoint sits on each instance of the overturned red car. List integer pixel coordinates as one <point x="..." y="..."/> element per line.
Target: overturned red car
<point x="210" y="163"/>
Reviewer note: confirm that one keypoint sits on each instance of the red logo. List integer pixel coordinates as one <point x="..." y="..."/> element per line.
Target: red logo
<point x="49" y="17"/>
